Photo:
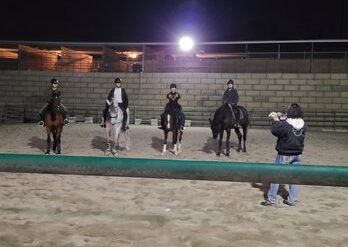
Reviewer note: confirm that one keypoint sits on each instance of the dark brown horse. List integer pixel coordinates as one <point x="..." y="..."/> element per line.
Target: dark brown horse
<point x="171" y="123"/>
<point x="54" y="125"/>
<point x="224" y="120"/>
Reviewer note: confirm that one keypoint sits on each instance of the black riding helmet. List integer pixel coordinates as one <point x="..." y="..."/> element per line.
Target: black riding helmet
<point x="173" y="85"/>
<point x="230" y="81"/>
<point x="54" y="81"/>
<point x="118" y="80"/>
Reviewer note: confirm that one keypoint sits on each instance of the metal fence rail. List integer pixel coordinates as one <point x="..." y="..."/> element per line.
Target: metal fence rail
<point x="176" y="169"/>
<point x="164" y="57"/>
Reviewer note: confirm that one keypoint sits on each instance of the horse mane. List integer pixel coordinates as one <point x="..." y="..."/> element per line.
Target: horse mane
<point x="220" y="114"/>
<point x="51" y="107"/>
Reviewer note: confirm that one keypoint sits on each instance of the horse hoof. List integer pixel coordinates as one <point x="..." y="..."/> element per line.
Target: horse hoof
<point x="218" y="154"/>
<point x="59" y="153"/>
<point x="47" y="153"/>
<point x="239" y="150"/>
<point x="244" y="150"/>
<point x="227" y="154"/>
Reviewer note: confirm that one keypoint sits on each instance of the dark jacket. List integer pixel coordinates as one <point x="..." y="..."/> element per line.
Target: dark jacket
<point x="124" y="104"/>
<point x="230" y="96"/>
<point x="291" y="135"/>
<point x="173" y="99"/>
<point x="52" y="94"/>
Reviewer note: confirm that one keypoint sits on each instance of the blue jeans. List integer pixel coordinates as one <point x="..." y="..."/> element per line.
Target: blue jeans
<point x="293" y="188"/>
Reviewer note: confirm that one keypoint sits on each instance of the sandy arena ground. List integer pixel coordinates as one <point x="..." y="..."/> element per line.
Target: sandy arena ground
<point x="65" y="210"/>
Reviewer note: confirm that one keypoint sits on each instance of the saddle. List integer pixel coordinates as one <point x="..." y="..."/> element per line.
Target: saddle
<point x="237" y="113"/>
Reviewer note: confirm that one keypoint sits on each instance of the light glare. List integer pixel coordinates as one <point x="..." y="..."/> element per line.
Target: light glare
<point x="186" y="43"/>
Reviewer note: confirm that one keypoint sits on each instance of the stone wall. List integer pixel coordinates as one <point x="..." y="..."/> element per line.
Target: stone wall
<point x="85" y="93"/>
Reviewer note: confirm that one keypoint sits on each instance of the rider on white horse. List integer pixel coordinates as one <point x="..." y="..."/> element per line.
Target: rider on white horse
<point x="119" y="97"/>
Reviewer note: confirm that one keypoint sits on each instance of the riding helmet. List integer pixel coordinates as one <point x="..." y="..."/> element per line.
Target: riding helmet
<point x="118" y="80"/>
<point x="54" y="81"/>
<point x="173" y="85"/>
<point x="230" y="81"/>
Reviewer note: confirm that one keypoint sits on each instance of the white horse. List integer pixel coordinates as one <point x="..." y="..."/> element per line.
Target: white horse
<point x="114" y="132"/>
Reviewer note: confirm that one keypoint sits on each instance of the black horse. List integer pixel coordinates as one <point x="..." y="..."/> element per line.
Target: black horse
<point x="227" y="118"/>
<point x="171" y="123"/>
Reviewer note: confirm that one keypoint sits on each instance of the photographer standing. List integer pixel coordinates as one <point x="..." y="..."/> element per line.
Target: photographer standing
<point x="290" y="131"/>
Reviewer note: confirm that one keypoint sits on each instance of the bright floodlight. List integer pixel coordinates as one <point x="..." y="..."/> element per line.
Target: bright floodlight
<point x="186" y="43"/>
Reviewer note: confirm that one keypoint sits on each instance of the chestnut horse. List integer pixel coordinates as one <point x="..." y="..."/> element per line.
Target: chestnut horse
<point x="54" y="124"/>
<point x="171" y="123"/>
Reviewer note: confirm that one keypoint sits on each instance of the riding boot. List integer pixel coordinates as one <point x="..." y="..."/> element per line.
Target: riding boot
<point x="42" y="117"/>
<point x="65" y="120"/>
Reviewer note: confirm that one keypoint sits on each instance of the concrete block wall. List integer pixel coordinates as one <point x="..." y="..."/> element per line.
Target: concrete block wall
<point x="85" y="93"/>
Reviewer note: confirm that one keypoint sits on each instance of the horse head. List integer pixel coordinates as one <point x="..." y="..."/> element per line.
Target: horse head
<point x="215" y="127"/>
<point x="113" y="112"/>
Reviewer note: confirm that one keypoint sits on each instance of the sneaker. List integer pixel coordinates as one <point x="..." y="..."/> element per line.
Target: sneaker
<point x="66" y="121"/>
<point x="41" y="123"/>
<point x="103" y="125"/>
<point x="267" y="203"/>
<point x="289" y="203"/>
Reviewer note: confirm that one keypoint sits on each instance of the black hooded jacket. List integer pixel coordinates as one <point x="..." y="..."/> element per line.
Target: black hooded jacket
<point x="291" y="135"/>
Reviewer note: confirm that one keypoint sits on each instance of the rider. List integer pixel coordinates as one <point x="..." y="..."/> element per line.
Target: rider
<point x="119" y="97"/>
<point x="52" y="94"/>
<point x="173" y="107"/>
<point x="231" y="97"/>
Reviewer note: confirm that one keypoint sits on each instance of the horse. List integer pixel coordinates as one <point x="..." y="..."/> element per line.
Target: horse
<point x="54" y="124"/>
<point x="113" y="121"/>
<point x="171" y="123"/>
<point x="224" y="121"/>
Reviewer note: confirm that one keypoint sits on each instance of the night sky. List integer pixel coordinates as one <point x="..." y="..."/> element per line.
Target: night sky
<point x="166" y="21"/>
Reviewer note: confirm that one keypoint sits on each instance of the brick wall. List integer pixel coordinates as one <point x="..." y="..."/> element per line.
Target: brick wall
<point x="85" y="93"/>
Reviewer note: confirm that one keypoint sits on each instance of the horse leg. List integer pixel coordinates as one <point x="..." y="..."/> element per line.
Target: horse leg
<point x="228" y="133"/>
<point x="48" y="141"/>
<point x="164" y="149"/>
<point x="58" y="134"/>
<point x="175" y="139"/>
<point x="108" y="134"/>
<point x="239" y="139"/>
<point x="126" y="136"/>
<point x="54" y="135"/>
<point x="245" y="131"/>
<point x="221" y="135"/>
<point x="179" y="142"/>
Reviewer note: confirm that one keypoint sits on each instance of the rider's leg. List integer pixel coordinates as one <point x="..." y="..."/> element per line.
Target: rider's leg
<point x="42" y="115"/>
<point x="63" y="111"/>
<point x="162" y="120"/>
<point x="182" y="120"/>
<point x="124" y="121"/>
